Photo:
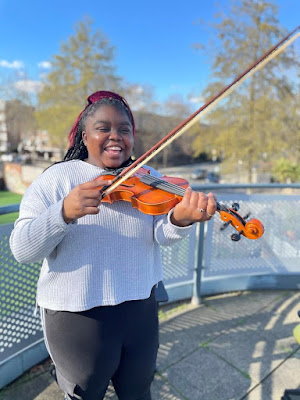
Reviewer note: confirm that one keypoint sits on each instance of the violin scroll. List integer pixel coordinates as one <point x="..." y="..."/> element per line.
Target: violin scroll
<point x="253" y="229"/>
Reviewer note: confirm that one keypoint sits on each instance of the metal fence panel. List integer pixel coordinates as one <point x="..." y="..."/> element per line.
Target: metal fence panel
<point x="276" y="252"/>
<point x="19" y="328"/>
<point x="179" y="260"/>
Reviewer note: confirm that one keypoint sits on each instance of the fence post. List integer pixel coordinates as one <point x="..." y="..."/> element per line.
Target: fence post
<point x="196" y="299"/>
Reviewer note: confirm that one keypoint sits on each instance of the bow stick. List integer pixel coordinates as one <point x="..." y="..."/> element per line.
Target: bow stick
<point x="187" y="123"/>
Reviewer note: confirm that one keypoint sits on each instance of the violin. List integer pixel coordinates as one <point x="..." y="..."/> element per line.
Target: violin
<point x="157" y="196"/>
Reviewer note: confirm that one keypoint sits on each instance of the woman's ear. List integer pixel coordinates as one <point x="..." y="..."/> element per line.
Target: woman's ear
<point x="84" y="137"/>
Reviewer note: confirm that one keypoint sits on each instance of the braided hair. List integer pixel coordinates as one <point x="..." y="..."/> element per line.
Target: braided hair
<point x="78" y="150"/>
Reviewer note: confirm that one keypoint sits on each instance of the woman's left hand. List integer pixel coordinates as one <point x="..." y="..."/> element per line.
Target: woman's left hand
<point x="194" y="207"/>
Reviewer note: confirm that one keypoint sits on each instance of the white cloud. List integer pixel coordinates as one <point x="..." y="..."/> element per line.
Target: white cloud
<point x="29" y="86"/>
<point x="42" y="76"/>
<point x="20" y="73"/>
<point x="137" y="89"/>
<point x="44" y="64"/>
<point x="196" y="99"/>
<point x="15" y="64"/>
<point x="137" y="105"/>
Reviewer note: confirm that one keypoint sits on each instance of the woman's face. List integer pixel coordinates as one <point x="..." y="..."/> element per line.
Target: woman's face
<point x="108" y="137"/>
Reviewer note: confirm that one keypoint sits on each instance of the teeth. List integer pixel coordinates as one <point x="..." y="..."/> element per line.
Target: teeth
<point x="114" y="148"/>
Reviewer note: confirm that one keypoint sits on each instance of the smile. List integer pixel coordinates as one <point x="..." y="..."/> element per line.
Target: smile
<point x="113" y="149"/>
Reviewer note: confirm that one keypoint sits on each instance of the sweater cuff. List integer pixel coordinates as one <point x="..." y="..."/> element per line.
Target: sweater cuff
<point x="181" y="230"/>
<point x="57" y="208"/>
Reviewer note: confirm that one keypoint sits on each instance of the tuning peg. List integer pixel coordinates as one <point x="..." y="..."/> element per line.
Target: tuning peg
<point x="235" y="206"/>
<point x="235" y="237"/>
<point x="247" y="216"/>
<point x="223" y="226"/>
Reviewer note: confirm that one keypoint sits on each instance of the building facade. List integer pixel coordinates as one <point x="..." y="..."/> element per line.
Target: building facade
<point x="4" y="144"/>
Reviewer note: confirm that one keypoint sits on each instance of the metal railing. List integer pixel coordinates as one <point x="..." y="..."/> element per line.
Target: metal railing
<point x="207" y="262"/>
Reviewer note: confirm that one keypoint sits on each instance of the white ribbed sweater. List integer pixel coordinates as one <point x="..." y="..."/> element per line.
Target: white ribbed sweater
<point x="102" y="259"/>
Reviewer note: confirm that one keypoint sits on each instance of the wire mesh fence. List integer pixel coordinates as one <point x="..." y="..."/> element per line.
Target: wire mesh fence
<point x="277" y="252"/>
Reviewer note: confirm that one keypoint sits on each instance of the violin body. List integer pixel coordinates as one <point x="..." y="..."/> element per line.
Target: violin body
<point x="147" y="199"/>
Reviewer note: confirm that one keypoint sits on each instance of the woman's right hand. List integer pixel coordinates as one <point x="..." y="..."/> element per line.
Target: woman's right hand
<point x="82" y="200"/>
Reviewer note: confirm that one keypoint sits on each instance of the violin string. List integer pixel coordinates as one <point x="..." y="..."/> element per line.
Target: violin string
<point x="161" y="184"/>
<point x="170" y="187"/>
<point x="167" y="186"/>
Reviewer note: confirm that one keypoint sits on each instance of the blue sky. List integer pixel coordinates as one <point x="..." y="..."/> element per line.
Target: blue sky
<point x="153" y="39"/>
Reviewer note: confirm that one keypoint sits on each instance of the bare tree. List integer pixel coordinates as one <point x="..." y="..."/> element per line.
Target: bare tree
<point x="246" y="127"/>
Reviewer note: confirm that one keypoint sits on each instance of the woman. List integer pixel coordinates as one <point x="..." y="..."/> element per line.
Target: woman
<point x="101" y="261"/>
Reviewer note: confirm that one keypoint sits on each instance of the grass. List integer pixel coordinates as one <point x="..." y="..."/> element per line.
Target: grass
<point x="167" y="311"/>
<point x="7" y="198"/>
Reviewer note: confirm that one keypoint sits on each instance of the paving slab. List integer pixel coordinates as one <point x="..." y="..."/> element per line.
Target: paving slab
<point x="253" y="350"/>
<point x="212" y="318"/>
<point x="163" y="390"/>
<point x="246" y="303"/>
<point x="279" y="319"/>
<point x="204" y="375"/>
<point x="38" y="384"/>
<point x="286" y="376"/>
<point x="52" y="392"/>
<point x="185" y="332"/>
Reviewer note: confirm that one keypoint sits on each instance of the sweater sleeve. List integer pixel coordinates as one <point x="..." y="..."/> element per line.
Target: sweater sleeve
<point x="166" y="233"/>
<point x="39" y="228"/>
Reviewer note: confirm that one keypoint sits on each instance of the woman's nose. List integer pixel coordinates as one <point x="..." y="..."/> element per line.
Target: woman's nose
<point x="114" y="134"/>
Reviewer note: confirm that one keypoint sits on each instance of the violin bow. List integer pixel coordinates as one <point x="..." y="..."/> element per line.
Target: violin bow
<point x="188" y="122"/>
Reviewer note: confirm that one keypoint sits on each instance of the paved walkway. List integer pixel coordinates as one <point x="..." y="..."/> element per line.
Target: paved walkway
<point x="231" y="347"/>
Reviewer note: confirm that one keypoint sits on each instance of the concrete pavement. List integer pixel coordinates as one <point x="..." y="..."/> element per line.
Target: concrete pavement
<point x="231" y="347"/>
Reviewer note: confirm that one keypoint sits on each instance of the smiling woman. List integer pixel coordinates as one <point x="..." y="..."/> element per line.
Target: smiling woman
<point x="102" y="261"/>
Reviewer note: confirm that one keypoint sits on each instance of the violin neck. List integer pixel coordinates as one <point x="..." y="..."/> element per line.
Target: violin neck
<point x="171" y="188"/>
<point x="159" y="183"/>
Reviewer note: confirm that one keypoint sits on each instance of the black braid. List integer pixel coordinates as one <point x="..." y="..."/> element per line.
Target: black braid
<point x="79" y="151"/>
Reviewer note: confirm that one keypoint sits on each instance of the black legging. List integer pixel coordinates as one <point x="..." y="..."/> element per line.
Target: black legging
<point x="117" y="343"/>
